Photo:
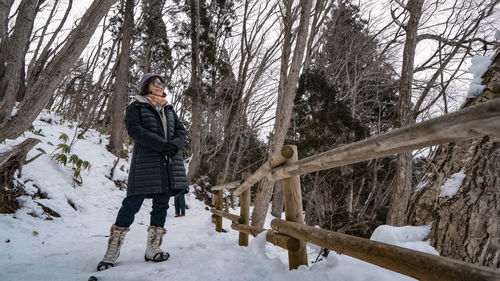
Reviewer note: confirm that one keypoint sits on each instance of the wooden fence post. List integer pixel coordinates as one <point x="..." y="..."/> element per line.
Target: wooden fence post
<point x="292" y="196"/>
<point x="218" y="206"/>
<point x="226" y="204"/>
<point x="244" y="212"/>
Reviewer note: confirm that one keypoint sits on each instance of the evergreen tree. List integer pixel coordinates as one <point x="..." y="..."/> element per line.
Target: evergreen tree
<point x="154" y="52"/>
<point x="321" y="120"/>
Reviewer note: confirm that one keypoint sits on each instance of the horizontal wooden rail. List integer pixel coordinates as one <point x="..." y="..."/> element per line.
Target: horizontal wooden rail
<point x="248" y="229"/>
<point x="275" y="160"/>
<point x="281" y="240"/>
<point x="229" y="185"/>
<point x="229" y="216"/>
<point x="475" y="121"/>
<point x="284" y="241"/>
<point x="416" y="264"/>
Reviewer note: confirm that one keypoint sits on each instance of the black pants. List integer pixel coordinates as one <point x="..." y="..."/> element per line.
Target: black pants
<point x="132" y="204"/>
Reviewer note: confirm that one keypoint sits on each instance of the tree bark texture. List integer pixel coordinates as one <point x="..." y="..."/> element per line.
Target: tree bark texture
<point x="195" y="88"/>
<point x="5" y="6"/>
<point x="39" y="93"/>
<point x="41" y="38"/>
<point x="12" y="54"/>
<point x="286" y="94"/>
<point x="120" y="92"/>
<point x="313" y="206"/>
<point x="277" y="206"/>
<point x="38" y="62"/>
<point x="402" y="187"/>
<point x="465" y="226"/>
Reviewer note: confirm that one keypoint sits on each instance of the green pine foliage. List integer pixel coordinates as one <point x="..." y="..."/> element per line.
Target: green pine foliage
<point x="320" y="119"/>
<point x="154" y="50"/>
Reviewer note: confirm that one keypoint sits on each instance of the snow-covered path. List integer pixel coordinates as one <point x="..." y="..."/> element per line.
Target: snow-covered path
<point x="69" y="247"/>
<point x="71" y="250"/>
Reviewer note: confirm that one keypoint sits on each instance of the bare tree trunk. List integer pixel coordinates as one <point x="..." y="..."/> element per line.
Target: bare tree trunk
<point x="120" y="93"/>
<point x="350" y="198"/>
<point x="42" y="59"/>
<point x="5" y="6"/>
<point x="64" y="94"/>
<point x="77" y="98"/>
<point x="195" y="88"/>
<point x="244" y="141"/>
<point x="38" y="93"/>
<point x="103" y="105"/>
<point x="97" y="92"/>
<point x="103" y="109"/>
<point x="12" y="54"/>
<point x="146" y="68"/>
<point x="312" y="206"/>
<point x="402" y="188"/>
<point x="277" y="206"/>
<point x="322" y="10"/>
<point x="286" y="94"/>
<point x="42" y="36"/>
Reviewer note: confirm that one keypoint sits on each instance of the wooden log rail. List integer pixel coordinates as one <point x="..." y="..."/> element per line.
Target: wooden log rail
<point x="229" y="216"/>
<point x="475" y="121"/>
<point x="416" y="264"/>
<point x="275" y="160"/>
<point x="229" y="185"/>
<point x="248" y="229"/>
<point x="281" y="240"/>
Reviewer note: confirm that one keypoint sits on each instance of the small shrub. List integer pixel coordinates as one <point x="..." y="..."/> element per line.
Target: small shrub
<point x="36" y="132"/>
<point x="78" y="164"/>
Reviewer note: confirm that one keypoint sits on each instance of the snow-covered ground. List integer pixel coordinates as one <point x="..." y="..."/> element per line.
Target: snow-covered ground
<point x="70" y="246"/>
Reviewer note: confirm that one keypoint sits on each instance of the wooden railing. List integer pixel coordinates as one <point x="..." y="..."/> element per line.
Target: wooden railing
<point x="291" y="234"/>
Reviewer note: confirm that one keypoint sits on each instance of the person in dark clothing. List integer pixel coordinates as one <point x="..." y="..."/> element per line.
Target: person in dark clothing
<point x="156" y="169"/>
<point x="180" y="205"/>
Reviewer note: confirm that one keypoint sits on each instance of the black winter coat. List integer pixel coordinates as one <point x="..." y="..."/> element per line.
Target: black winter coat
<point x="151" y="170"/>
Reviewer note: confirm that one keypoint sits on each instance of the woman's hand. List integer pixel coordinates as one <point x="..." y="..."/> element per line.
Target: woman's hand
<point x="169" y="149"/>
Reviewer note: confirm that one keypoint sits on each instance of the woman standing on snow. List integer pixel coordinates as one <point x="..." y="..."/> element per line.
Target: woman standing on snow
<point x="156" y="170"/>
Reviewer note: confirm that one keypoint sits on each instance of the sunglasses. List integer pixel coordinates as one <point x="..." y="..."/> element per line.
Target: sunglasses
<point x="156" y="83"/>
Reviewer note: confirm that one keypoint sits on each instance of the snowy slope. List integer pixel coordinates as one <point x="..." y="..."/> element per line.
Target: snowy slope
<point x="69" y="247"/>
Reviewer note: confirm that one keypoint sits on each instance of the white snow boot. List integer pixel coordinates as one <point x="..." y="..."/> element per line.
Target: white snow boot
<point x="155" y="238"/>
<point x="116" y="237"/>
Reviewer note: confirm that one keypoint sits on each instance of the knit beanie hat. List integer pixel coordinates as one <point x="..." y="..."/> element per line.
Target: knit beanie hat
<point x="145" y="80"/>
